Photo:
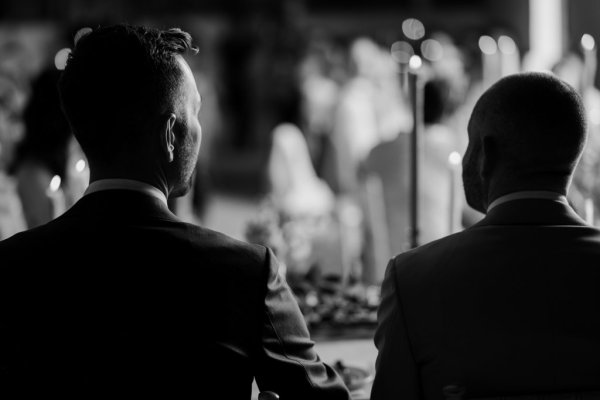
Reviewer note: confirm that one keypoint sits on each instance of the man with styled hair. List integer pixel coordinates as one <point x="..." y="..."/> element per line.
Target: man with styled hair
<point x="510" y="305"/>
<point x="117" y="297"/>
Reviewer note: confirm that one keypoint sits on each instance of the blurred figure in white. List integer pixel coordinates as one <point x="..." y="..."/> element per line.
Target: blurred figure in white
<point x="11" y="213"/>
<point x="370" y="109"/>
<point x="319" y="229"/>
<point x="296" y="188"/>
<point x="463" y="92"/>
<point x="319" y="98"/>
<point x="450" y="67"/>
<point x="11" y="103"/>
<point x="578" y="69"/>
<point x="441" y="196"/>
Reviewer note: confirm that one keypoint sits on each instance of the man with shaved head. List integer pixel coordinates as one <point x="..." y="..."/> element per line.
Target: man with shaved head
<point x="118" y="298"/>
<point x="509" y="306"/>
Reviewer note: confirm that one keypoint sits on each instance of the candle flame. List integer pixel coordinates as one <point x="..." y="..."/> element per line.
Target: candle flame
<point x="415" y="62"/>
<point x="55" y="183"/>
<point x="488" y="45"/>
<point x="588" y="42"/>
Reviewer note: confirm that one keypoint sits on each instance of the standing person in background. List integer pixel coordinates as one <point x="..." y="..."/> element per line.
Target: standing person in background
<point x="438" y="142"/>
<point x="11" y="103"/>
<point x="118" y="296"/>
<point x="390" y="162"/>
<point x="43" y="152"/>
<point x="509" y="305"/>
<point x="370" y="110"/>
<point x="585" y="192"/>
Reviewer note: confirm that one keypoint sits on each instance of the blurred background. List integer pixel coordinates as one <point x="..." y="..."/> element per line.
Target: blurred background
<point x="333" y="130"/>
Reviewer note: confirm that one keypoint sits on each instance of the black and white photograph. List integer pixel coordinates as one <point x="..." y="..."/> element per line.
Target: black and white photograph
<point x="300" y="199"/>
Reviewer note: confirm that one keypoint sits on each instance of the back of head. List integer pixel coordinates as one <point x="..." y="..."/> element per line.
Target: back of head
<point x="532" y="125"/>
<point x="117" y="82"/>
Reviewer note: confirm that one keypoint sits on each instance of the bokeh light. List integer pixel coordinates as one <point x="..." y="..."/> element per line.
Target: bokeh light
<point x="507" y="45"/>
<point x="413" y="28"/>
<point x="454" y="158"/>
<point x="588" y="42"/>
<point x="415" y="62"/>
<point x="80" y="165"/>
<point x="432" y="50"/>
<point x="402" y="52"/>
<point x="488" y="45"/>
<point x="60" y="59"/>
<point x="55" y="183"/>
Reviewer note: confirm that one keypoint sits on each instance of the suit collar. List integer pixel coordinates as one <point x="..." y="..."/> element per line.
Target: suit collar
<point x="531" y="194"/>
<point x="532" y="211"/>
<point x="122" y="204"/>
<point x="126" y="184"/>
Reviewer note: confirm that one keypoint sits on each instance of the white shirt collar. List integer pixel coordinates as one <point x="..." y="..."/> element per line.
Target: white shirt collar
<point x="126" y="184"/>
<point x="533" y="194"/>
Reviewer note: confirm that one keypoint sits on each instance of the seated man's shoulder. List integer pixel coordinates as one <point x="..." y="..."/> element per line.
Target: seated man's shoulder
<point x="36" y="246"/>
<point x="9" y="245"/>
<point x="27" y="238"/>
<point x="218" y="243"/>
<point x="428" y="259"/>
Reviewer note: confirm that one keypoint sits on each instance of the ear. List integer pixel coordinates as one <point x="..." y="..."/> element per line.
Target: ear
<point x="489" y="158"/>
<point x="168" y="138"/>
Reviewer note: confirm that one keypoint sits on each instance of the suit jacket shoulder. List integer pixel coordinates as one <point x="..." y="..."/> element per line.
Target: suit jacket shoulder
<point x="504" y="307"/>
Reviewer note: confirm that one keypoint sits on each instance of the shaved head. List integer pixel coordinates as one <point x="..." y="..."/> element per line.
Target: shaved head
<point x="529" y="127"/>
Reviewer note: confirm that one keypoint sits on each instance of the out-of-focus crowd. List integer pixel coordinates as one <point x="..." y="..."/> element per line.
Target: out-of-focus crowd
<point x="338" y="165"/>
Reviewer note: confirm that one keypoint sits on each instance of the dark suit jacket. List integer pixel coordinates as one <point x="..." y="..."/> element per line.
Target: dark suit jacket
<point x="511" y="305"/>
<point x="117" y="298"/>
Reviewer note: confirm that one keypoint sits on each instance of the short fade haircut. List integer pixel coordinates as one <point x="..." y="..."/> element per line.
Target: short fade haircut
<point x="117" y="81"/>
<point x="537" y="120"/>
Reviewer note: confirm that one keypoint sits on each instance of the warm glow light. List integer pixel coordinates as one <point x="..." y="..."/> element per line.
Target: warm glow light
<point x="402" y="52"/>
<point x="454" y="158"/>
<point x="507" y="45"/>
<point x="60" y="59"/>
<point x="487" y="45"/>
<point x="55" y="183"/>
<point x="413" y="28"/>
<point x="415" y="62"/>
<point x="588" y="42"/>
<point x="432" y="50"/>
<point x="80" y="165"/>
